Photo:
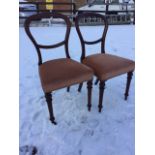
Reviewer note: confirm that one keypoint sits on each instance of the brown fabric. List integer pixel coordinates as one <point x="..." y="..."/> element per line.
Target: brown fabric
<point x="107" y="66"/>
<point x="63" y="72"/>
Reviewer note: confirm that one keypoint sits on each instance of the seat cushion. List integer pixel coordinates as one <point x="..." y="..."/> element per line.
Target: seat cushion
<point x="63" y="72"/>
<point x="106" y="66"/>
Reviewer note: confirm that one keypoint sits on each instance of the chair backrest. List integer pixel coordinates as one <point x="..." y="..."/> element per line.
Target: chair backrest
<point x="82" y="40"/>
<point x="40" y="46"/>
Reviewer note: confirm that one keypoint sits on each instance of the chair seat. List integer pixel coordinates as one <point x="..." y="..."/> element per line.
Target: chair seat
<point x="60" y="73"/>
<point x="107" y="66"/>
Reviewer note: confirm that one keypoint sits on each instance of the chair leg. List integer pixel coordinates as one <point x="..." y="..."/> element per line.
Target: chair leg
<point x="96" y="82"/>
<point x="101" y="92"/>
<point x="48" y="97"/>
<point x="89" y="87"/>
<point x="80" y="87"/>
<point x="68" y="89"/>
<point x="129" y="77"/>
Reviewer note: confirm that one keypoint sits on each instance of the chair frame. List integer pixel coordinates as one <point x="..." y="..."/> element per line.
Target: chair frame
<point x="102" y="41"/>
<point x="39" y="46"/>
<point x="84" y="42"/>
<point x="48" y="95"/>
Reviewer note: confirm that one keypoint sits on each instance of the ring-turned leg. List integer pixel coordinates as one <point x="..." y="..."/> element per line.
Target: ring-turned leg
<point x="48" y="97"/>
<point x="129" y="77"/>
<point x="89" y="87"/>
<point x="80" y="87"/>
<point x="101" y="92"/>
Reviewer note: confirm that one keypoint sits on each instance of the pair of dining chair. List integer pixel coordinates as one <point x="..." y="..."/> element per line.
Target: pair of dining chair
<point x="65" y="72"/>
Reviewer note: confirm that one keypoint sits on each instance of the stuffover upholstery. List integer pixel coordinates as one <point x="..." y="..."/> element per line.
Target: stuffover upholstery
<point x="106" y="66"/>
<point x="63" y="72"/>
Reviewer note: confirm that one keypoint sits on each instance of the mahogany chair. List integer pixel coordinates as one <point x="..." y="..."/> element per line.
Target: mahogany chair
<point x="105" y="66"/>
<point x="59" y="73"/>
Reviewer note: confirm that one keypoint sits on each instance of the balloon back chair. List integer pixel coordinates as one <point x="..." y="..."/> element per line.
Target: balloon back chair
<point x="105" y="66"/>
<point x="62" y="72"/>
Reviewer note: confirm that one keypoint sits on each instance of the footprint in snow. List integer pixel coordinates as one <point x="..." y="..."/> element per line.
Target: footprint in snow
<point x="36" y="115"/>
<point x="83" y="119"/>
<point x="28" y="150"/>
<point x="89" y="133"/>
<point x="115" y="50"/>
<point x="28" y="77"/>
<point x="93" y="123"/>
<point x="80" y="152"/>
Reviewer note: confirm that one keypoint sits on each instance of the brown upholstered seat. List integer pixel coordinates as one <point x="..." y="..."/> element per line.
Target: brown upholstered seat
<point x="60" y="73"/>
<point x="107" y="66"/>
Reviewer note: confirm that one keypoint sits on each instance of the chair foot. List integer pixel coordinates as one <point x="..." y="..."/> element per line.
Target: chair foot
<point x="48" y="97"/>
<point x="96" y="82"/>
<point x="89" y="87"/>
<point x="53" y="122"/>
<point x="129" y="77"/>
<point x="80" y="87"/>
<point x="101" y="93"/>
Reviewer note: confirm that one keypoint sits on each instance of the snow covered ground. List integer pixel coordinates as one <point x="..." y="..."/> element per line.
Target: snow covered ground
<point x="78" y="132"/>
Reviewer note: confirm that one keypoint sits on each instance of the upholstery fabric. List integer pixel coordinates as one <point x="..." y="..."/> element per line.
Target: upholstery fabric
<point x="63" y="72"/>
<point x="107" y="66"/>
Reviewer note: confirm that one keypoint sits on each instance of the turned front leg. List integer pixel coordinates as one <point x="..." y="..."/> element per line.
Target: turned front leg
<point x="101" y="92"/>
<point x="129" y="77"/>
<point x="89" y="87"/>
<point x="48" y="97"/>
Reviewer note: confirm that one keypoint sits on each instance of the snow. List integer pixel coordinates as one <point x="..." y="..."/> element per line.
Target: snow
<point x="78" y="132"/>
<point x="22" y="0"/>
